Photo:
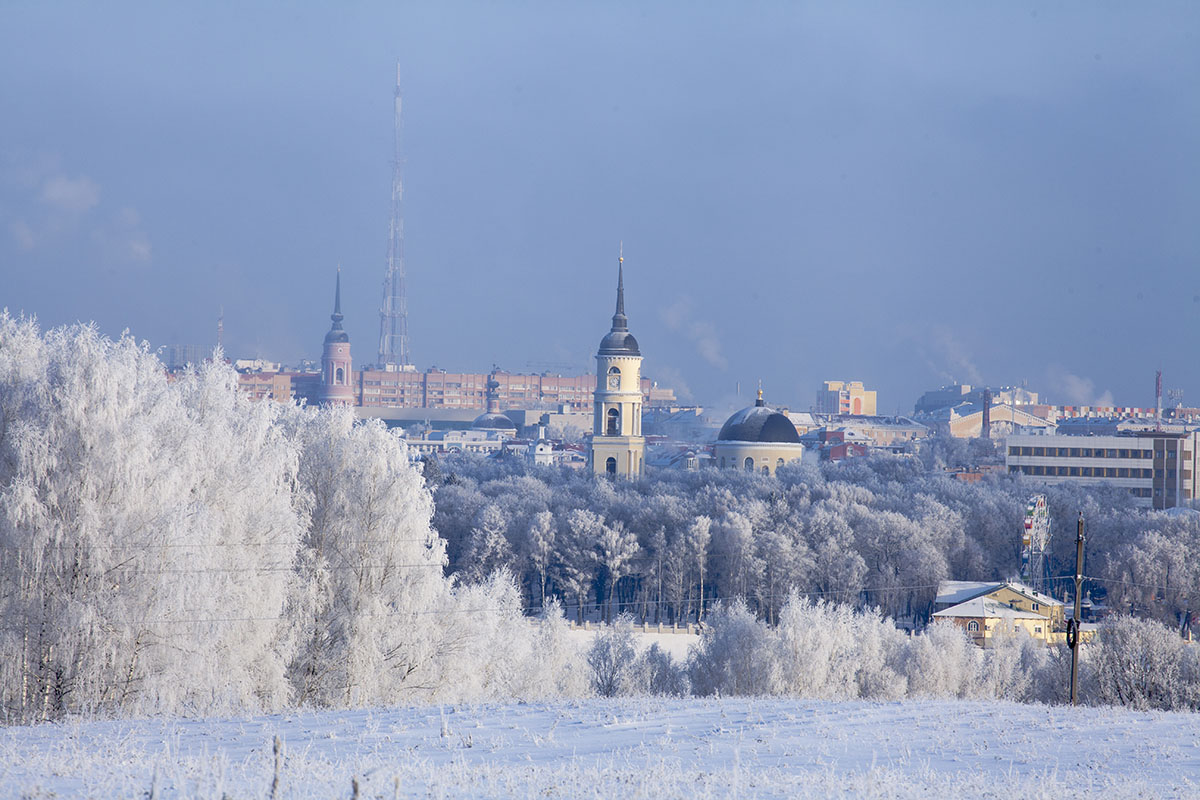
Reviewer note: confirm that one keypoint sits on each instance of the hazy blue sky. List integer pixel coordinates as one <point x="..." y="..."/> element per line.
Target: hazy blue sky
<point x="897" y="193"/>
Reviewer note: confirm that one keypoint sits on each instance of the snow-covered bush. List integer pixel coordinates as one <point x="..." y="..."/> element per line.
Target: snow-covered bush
<point x="942" y="662"/>
<point x="818" y="649"/>
<point x="829" y="650"/>
<point x="553" y="667"/>
<point x="735" y="655"/>
<point x="612" y="658"/>
<point x="1144" y="664"/>
<point x="657" y="673"/>
<point x="1009" y="669"/>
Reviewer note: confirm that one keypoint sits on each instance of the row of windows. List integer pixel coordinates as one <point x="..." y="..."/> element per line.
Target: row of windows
<point x="1081" y="452"/>
<point x="1091" y="472"/>
<point x="973" y="627"/>
<point x="748" y="464"/>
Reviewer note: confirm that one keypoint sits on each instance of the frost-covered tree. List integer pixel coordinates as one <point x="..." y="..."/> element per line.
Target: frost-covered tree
<point x="169" y="546"/>
<point x="146" y="530"/>
<point x="539" y="549"/>
<point x="616" y="547"/>
<point x="370" y="565"/>
<point x="487" y="549"/>
<point x="577" y="554"/>
<point x="699" y="535"/>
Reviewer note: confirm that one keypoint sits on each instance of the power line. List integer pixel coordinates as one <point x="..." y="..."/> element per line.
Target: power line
<point x="400" y="613"/>
<point x="143" y="547"/>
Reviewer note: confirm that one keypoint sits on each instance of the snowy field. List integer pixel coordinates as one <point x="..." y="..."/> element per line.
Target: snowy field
<point x="676" y="645"/>
<point x="627" y="748"/>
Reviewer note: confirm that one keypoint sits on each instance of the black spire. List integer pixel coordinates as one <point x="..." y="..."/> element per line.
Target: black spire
<point x="336" y="316"/>
<point x="619" y="341"/>
<point x="620" y="321"/>
<point x="336" y="332"/>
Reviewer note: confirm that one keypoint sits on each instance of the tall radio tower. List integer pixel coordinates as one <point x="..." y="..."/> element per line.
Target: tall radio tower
<point x="393" y="316"/>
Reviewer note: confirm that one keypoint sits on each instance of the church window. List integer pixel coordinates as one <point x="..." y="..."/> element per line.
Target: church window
<point x="614" y="423"/>
<point x="339" y="376"/>
<point x="749" y="464"/>
<point x="610" y="466"/>
<point x="973" y="626"/>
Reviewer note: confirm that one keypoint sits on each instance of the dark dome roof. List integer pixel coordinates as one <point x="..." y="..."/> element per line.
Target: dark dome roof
<point x="758" y="423"/>
<point x="493" y="422"/>
<point x="336" y="335"/>
<point x="619" y="343"/>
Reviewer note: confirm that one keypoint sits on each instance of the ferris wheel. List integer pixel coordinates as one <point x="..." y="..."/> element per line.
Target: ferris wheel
<point x="1035" y="537"/>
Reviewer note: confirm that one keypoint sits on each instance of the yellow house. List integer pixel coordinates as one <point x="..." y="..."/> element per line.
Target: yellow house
<point x="1021" y="597"/>
<point x="1013" y="594"/>
<point x="984" y="619"/>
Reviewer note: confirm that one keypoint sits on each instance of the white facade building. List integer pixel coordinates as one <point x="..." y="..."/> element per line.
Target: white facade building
<point x="1156" y="467"/>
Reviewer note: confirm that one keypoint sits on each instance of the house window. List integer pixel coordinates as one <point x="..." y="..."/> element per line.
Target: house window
<point x="973" y="626"/>
<point x="1036" y="606"/>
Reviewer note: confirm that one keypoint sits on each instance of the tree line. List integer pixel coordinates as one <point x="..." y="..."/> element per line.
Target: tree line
<point x="872" y="532"/>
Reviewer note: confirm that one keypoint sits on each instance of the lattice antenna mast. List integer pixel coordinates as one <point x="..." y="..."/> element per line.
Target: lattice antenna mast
<point x="393" y="316"/>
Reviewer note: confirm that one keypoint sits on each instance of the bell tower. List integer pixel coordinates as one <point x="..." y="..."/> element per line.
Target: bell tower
<point x="617" y="443"/>
<point x="336" y="377"/>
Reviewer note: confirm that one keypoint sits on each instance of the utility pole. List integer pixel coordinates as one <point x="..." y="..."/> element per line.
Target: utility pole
<point x="1073" y="625"/>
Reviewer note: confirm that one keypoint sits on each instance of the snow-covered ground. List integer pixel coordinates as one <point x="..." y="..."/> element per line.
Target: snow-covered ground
<point x="628" y="748"/>
<point x="674" y="644"/>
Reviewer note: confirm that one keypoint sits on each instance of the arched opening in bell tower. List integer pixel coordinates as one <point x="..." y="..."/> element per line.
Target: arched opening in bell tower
<point x="613" y="424"/>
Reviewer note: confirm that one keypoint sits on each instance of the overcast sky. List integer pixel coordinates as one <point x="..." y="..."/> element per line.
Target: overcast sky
<point x="902" y="194"/>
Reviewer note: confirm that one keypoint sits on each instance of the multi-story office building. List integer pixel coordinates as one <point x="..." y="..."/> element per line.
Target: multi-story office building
<point x="1157" y="467"/>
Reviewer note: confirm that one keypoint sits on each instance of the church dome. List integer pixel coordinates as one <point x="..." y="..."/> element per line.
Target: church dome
<point x="759" y="423"/>
<point x="493" y="421"/>
<point x="619" y="343"/>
